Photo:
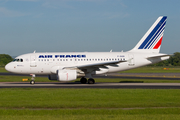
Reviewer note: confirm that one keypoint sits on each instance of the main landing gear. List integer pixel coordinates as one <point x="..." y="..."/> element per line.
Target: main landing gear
<point x="32" y="82"/>
<point x="84" y="80"/>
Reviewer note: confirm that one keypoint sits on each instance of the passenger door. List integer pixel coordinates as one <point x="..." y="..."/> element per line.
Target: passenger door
<point x="33" y="61"/>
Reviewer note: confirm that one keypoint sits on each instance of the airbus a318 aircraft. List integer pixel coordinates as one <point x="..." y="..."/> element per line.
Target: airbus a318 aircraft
<point x="67" y="66"/>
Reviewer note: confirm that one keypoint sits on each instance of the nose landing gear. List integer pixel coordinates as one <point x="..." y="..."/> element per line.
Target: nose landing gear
<point x="32" y="82"/>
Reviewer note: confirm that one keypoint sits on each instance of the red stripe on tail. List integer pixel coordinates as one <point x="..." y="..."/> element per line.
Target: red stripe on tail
<point x="158" y="44"/>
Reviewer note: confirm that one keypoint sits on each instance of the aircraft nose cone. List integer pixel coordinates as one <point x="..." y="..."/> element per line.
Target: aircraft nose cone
<point x="8" y="67"/>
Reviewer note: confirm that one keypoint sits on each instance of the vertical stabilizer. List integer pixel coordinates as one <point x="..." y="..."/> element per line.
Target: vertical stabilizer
<point x="151" y="41"/>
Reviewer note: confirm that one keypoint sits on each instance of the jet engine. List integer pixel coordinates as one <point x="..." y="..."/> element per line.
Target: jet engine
<point x="64" y="75"/>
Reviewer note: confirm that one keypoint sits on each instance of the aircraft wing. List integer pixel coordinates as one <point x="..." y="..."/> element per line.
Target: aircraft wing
<point x="97" y="65"/>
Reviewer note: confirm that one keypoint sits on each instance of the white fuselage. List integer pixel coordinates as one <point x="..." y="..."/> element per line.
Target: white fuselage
<point x="49" y="63"/>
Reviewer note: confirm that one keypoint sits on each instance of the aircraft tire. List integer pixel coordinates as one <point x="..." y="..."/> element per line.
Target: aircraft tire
<point x="32" y="82"/>
<point x="91" y="81"/>
<point x="83" y="80"/>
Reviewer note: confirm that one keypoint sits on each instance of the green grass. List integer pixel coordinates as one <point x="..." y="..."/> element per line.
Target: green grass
<point x="12" y="78"/>
<point x="88" y="98"/>
<point x="2" y="69"/>
<point x="75" y="104"/>
<point x="92" y="114"/>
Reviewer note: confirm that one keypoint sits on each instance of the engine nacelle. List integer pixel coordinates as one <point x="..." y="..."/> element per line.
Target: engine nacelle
<point x="52" y="77"/>
<point x="66" y="75"/>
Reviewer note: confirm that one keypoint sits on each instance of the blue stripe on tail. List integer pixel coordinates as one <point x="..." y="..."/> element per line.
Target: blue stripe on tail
<point x="151" y="38"/>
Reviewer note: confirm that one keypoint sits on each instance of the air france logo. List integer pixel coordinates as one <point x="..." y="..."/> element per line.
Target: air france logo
<point x="62" y="56"/>
<point x="45" y="56"/>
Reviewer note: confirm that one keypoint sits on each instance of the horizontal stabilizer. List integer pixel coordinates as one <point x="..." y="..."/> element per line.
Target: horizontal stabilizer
<point x="158" y="56"/>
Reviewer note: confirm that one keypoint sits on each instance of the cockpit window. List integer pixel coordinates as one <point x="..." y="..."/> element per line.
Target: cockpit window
<point x="18" y="60"/>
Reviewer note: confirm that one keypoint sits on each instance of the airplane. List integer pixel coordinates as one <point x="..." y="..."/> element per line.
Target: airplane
<point x="68" y="66"/>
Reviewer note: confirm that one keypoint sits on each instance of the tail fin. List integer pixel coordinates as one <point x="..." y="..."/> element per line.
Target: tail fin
<point x="151" y="41"/>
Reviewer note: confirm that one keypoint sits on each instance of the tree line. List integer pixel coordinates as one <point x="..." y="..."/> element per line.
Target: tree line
<point x="174" y="60"/>
<point x="4" y="59"/>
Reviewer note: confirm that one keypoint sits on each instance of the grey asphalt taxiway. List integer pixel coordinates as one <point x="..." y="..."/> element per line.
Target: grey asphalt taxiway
<point x="96" y="85"/>
<point x="120" y="85"/>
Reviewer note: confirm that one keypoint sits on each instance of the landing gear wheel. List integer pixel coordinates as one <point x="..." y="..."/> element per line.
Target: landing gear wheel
<point x="32" y="82"/>
<point x="91" y="81"/>
<point x="83" y="80"/>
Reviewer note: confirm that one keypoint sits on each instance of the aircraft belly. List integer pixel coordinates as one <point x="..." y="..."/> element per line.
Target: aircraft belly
<point x="120" y="67"/>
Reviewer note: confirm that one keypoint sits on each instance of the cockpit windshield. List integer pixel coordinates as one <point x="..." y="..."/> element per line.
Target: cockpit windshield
<point x="18" y="60"/>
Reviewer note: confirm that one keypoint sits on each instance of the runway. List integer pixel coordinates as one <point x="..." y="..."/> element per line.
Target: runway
<point x="96" y="85"/>
<point x="159" y="76"/>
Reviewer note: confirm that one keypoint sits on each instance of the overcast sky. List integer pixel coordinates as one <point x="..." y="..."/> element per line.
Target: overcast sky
<point x="84" y="25"/>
